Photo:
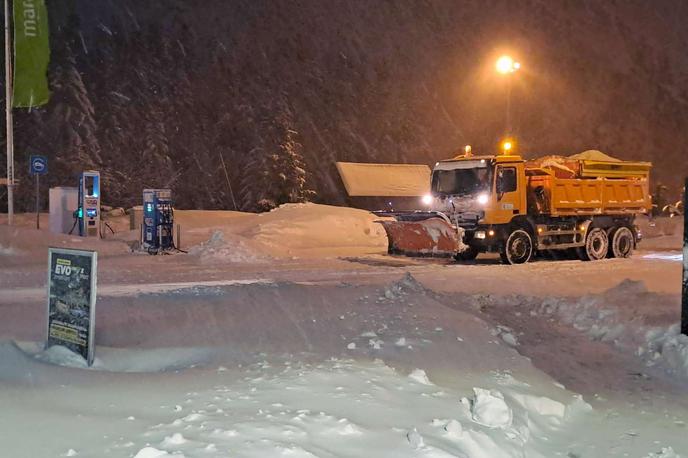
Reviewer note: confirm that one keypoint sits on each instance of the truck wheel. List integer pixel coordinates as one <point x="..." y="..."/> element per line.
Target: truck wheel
<point x="596" y="245"/>
<point x="518" y="248"/>
<point x="622" y="243"/>
<point x="469" y="254"/>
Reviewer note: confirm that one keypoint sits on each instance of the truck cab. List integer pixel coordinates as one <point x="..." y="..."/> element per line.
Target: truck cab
<point x="481" y="195"/>
<point x="481" y="190"/>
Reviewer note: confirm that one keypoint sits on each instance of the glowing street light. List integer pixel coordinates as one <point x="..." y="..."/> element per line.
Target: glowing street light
<point x="506" y="65"/>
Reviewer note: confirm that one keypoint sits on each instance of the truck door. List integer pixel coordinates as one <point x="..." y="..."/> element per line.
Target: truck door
<point x="507" y="193"/>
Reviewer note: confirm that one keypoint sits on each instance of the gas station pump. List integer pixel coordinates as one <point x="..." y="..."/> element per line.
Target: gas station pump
<point x="88" y="212"/>
<point x="157" y="233"/>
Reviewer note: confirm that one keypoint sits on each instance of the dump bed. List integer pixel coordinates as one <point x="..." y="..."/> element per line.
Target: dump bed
<point x="588" y="187"/>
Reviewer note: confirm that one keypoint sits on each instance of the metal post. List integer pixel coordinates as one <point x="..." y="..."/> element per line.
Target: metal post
<point x="38" y="205"/>
<point x="229" y="184"/>
<point x="8" y="115"/>
<point x="684" y="295"/>
<point x="508" y="105"/>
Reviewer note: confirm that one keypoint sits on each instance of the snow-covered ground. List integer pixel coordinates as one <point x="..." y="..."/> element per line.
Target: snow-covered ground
<point x="292" y="334"/>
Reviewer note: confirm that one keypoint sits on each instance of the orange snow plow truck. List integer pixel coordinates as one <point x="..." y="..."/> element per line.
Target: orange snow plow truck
<point x="581" y="206"/>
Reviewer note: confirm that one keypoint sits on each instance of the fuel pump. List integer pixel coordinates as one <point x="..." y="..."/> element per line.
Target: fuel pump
<point x="88" y="211"/>
<point x="157" y="233"/>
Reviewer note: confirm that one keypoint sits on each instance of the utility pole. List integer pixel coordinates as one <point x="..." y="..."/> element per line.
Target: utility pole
<point x="508" y="105"/>
<point x="8" y="116"/>
<point x="684" y="295"/>
<point x="229" y="184"/>
<point x="507" y="67"/>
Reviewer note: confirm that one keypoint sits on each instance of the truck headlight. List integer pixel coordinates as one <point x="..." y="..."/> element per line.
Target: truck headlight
<point x="483" y="198"/>
<point x="427" y="199"/>
<point x="479" y="234"/>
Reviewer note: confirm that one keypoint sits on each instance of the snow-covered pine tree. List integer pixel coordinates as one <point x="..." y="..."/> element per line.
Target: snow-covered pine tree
<point x="290" y="166"/>
<point x="275" y="172"/>
<point x="135" y="128"/>
<point x="256" y="181"/>
<point x="71" y="121"/>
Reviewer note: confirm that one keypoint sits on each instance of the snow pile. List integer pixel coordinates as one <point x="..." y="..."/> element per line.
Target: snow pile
<point x="291" y="230"/>
<point x="676" y="257"/>
<point x="150" y="452"/>
<point x="62" y="356"/>
<point x="398" y="290"/>
<point x="120" y="359"/>
<point x="315" y="410"/>
<point x="667" y="346"/>
<point x="489" y="409"/>
<point x="219" y="247"/>
<point x="599" y="317"/>
<point x="420" y="376"/>
<point x="7" y="251"/>
<point x="665" y="452"/>
<point x="308" y="230"/>
<point x="415" y="439"/>
<point x="22" y="245"/>
<point x="437" y="229"/>
<point x="586" y="314"/>
<point x="661" y="234"/>
<point x="173" y="440"/>
<point x="506" y="334"/>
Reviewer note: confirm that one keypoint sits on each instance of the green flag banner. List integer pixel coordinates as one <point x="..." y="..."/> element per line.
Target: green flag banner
<point x="31" y="53"/>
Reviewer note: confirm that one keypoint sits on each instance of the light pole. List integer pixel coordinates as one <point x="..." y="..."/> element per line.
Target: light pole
<point x="506" y="66"/>
<point x="8" y="118"/>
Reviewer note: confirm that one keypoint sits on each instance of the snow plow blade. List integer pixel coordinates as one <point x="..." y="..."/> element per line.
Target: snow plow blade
<point x="411" y="236"/>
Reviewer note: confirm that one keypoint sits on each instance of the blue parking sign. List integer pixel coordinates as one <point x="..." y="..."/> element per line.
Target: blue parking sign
<point x="38" y="165"/>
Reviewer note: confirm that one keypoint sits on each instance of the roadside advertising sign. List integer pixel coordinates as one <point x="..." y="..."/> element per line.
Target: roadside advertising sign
<point x="72" y="300"/>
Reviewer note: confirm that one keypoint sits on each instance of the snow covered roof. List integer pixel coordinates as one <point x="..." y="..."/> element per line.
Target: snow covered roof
<point x="391" y="180"/>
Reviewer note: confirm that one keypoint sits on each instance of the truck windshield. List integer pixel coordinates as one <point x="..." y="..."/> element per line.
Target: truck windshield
<point x="461" y="181"/>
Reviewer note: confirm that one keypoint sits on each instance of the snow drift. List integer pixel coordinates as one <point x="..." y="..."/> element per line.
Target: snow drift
<point x="289" y="231"/>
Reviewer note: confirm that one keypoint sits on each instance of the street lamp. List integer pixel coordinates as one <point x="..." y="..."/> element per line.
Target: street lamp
<point x="506" y="66"/>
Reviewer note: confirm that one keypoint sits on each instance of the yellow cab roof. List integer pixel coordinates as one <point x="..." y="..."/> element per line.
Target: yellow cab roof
<point x="493" y="157"/>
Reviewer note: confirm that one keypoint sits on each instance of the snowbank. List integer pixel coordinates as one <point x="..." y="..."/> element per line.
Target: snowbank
<point x="133" y="360"/>
<point x="20" y="244"/>
<point x="227" y="248"/>
<point x="661" y="233"/>
<point x="312" y="230"/>
<point x="603" y="318"/>
<point x="353" y="409"/>
<point x="289" y="231"/>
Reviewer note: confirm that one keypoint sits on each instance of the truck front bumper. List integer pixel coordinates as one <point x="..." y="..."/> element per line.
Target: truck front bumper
<point x="483" y="238"/>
